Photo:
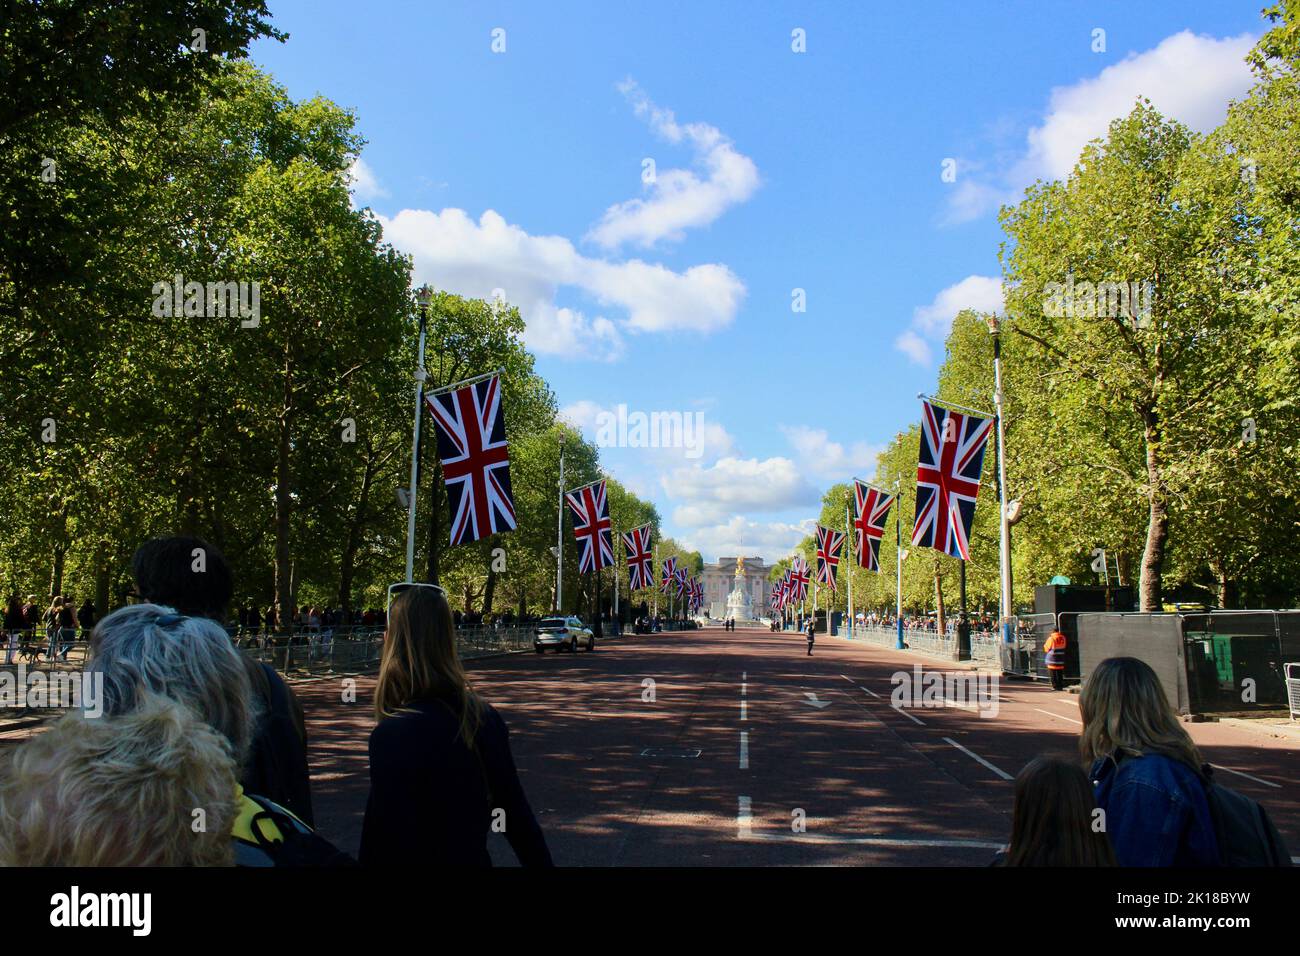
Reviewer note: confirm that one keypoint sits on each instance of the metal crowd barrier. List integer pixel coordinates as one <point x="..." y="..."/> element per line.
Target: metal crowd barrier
<point x="985" y="648"/>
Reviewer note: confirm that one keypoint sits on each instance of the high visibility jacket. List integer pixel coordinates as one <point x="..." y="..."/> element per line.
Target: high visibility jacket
<point x="1054" y="649"/>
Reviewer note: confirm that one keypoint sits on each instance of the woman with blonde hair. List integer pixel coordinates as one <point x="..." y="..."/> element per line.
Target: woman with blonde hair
<point x="128" y="790"/>
<point x="1146" y="773"/>
<point x="441" y="771"/>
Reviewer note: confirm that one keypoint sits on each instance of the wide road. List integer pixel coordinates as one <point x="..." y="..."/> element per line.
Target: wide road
<point x="708" y="748"/>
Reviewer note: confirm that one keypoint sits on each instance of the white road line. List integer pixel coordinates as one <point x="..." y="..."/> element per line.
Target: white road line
<point x="915" y="720"/>
<point x="742" y="709"/>
<point x="744" y="750"/>
<point x="1267" y="783"/>
<point x="871" y="692"/>
<point x="1050" y="713"/>
<point x="744" y="818"/>
<point x="976" y="757"/>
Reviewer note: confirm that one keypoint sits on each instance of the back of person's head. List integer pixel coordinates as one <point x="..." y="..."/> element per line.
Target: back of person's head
<point x="119" y="791"/>
<point x="1124" y="709"/>
<point x="145" y="647"/>
<point x="1052" y="818"/>
<point x="420" y="662"/>
<point x="185" y="573"/>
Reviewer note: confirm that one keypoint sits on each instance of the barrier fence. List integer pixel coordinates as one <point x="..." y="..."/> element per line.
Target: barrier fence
<point x="302" y="651"/>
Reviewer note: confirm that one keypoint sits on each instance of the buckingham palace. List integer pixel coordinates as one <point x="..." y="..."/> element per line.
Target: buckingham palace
<point x="720" y="580"/>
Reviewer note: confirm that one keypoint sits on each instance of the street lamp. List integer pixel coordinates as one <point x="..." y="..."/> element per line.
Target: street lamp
<point x="1005" y="520"/>
<point x="423" y="297"/>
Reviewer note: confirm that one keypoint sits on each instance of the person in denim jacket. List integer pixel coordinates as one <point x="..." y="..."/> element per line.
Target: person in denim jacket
<point x="1145" y="770"/>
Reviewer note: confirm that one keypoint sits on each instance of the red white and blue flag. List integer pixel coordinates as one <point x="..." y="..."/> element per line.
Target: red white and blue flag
<point x="640" y="557"/>
<point x="870" y="512"/>
<point x="830" y="544"/>
<point x="697" y="594"/>
<point x="775" y="599"/>
<point x="681" y="579"/>
<point x="591" y="526"/>
<point x="669" y="578"/>
<point x="475" y="459"/>
<point x="799" y="574"/>
<point x="948" y="478"/>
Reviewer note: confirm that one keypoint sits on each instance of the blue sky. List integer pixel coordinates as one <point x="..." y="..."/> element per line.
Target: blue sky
<point x="522" y="170"/>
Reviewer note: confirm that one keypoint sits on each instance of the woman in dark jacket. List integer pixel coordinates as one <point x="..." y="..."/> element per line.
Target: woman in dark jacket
<point x="441" y="772"/>
<point x="1146" y="773"/>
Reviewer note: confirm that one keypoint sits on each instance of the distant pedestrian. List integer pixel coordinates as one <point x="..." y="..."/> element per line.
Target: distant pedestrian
<point x="1053" y="819"/>
<point x="87" y="616"/>
<point x="13" y="627"/>
<point x="812" y="632"/>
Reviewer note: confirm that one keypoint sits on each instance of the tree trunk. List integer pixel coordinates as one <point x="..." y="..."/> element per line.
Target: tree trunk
<point x="435" y="522"/>
<point x="56" y="574"/>
<point x="940" y="622"/>
<point x="489" y="591"/>
<point x="283" y="501"/>
<point x="347" y="561"/>
<point x="101" y="580"/>
<point x="1153" y="555"/>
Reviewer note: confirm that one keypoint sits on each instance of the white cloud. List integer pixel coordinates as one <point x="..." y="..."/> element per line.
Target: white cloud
<point x="453" y="252"/>
<point x="820" y="456"/>
<point x="678" y="199"/>
<point x="931" y="323"/>
<point x="730" y="485"/>
<point x="914" y="347"/>
<point x="772" y="540"/>
<point x="711" y="441"/>
<point x="1188" y="77"/>
<point x="363" y="182"/>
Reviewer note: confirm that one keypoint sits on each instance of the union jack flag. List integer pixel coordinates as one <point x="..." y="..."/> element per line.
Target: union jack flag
<point x="475" y="460"/>
<point x="697" y="594"/>
<point x="829" y="545"/>
<point x="681" y="579"/>
<point x="870" y="511"/>
<point x="775" y="599"/>
<point x="591" y="526"/>
<point x="948" y="478"/>
<point x="669" y="575"/>
<point x="640" y="557"/>
<point x="799" y="574"/>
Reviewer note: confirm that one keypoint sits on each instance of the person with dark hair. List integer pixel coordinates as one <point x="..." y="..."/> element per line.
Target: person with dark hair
<point x="13" y="627"/>
<point x="441" y="771"/>
<point x="192" y="576"/>
<point x="1053" y="819"/>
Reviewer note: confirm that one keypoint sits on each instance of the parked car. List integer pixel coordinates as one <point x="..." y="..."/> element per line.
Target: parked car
<point x="563" y="633"/>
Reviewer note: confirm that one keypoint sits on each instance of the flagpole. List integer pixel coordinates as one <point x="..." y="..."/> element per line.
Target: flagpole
<point x="1004" y="525"/>
<point x="654" y="579"/>
<point x="849" y="566"/>
<point x="559" y="538"/>
<point x="898" y="597"/>
<point x="423" y="297"/>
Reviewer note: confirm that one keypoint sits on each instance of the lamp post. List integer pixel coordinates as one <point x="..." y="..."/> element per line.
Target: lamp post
<point x="559" y="536"/>
<point x="1004" y="523"/>
<point x="423" y="297"/>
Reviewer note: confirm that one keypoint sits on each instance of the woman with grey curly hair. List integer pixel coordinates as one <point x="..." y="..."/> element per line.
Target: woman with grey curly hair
<point x="189" y="659"/>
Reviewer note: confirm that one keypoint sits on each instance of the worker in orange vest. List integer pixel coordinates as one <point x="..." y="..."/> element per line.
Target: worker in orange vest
<point x="1054" y="654"/>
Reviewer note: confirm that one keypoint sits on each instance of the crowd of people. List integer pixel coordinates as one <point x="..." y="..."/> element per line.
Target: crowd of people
<point x="33" y="630"/>
<point x="194" y="727"/>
